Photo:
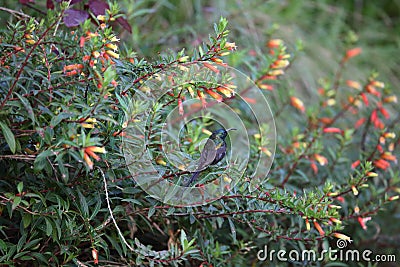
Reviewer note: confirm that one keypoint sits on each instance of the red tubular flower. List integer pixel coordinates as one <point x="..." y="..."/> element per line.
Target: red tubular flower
<point x="297" y="103"/>
<point x="359" y="123"/>
<point x="355" y="164"/>
<point x="81" y="41"/>
<point x="352" y="53"/>
<point x="362" y="222"/>
<point x="332" y="130"/>
<point x="321" y="159"/>
<point x="202" y="99"/>
<point x="353" y="84"/>
<point x="180" y="106"/>
<point x="381" y="164"/>
<point x="384" y="112"/>
<point x="374" y="116"/>
<point x="340" y="199"/>
<point x="319" y="228"/>
<point x="95" y="256"/>
<point x="274" y="43"/>
<point x="88" y="161"/>
<point x="91" y="151"/>
<point x="388" y="156"/>
<point x="211" y="67"/>
<point x="214" y="95"/>
<point x="314" y="166"/>
<point x="365" y="99"/>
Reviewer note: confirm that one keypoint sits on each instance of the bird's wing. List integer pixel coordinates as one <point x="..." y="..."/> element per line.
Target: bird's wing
<point x="220" y="153"/>
<point x="207" y="155"/>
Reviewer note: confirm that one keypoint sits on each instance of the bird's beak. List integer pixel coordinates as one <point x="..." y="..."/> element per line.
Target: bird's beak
<point x="231" y="129"/>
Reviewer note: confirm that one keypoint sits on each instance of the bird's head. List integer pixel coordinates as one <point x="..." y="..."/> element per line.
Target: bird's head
<point x="221" y="133"/>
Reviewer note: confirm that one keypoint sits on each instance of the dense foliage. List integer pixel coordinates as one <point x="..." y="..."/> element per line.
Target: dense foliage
<point x="68" y="94"/>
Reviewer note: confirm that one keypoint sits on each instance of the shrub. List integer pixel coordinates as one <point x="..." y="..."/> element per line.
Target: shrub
<point x="70" y="99"/>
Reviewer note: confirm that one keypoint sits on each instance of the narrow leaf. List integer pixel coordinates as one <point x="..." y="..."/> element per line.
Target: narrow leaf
<point x="9" y="136"/>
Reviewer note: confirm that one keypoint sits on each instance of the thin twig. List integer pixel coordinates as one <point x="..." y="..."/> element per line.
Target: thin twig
<point x="111" y="212"/>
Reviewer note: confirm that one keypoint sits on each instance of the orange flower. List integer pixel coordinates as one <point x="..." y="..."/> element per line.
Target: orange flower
<point x="390" y="99"/>
<point x="73" y="67"/>
<point x="211" y="67"/>
<point x="274" y="43"/>
<point x="81" y="42"/>
<point x="355" y="164"/>
<point x="30" y="41"/>
<point x="319" y="228"/>
<point x="215" y="95"/>
<point x="389" y="135"/>
<point x="276" y="72"/>
<point x="388" y="156"/>
<point x="381" y="164"/>
<point x="112" y="53"/>
<point x="341" y="236"/>
<point x="281" y="63"/>
<point x="266" y="86"/>
<point x="325" y="120"/>
<point x="88" y="161"/>
<point x="202" y="99"/>
<point x="230" y="46"/>
<point x="314" y="166"/>
<point x="71" y="73"/>
<point x="321" y="159"/>
<point x="265" y="151"/>
<point x="362" y="222"/>
<point x="112" y="46"/>
<point x="353" y="84"/>
<point x="352" y="53"/>
<point x="372" y="90"/>
<point x="90" y="151"/>
<point x="297" y="103"/>
<point x="226" y="91"/>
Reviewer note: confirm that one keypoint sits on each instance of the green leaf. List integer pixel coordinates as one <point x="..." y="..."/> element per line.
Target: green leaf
<point x="20" y="187"/>
<point x="49" y="227"/>
<point x="40" y="161"/>
<point x="9" y="136"/>
<point x="16" y="202"/>
<point x="28" y="107"/>
<point x="83" y="204"/>
<point x="57" y="119"/>
<point x="109" y="75"/>
<point x="26" y="219"/>
<point x="233" y="229"/>
<point x="151" y="211"/>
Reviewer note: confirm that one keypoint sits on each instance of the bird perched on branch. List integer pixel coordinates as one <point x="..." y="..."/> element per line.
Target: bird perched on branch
<point x="213" y="152"/>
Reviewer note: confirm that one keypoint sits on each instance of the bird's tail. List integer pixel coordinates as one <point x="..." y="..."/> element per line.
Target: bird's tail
<point x="193" y="178"/>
